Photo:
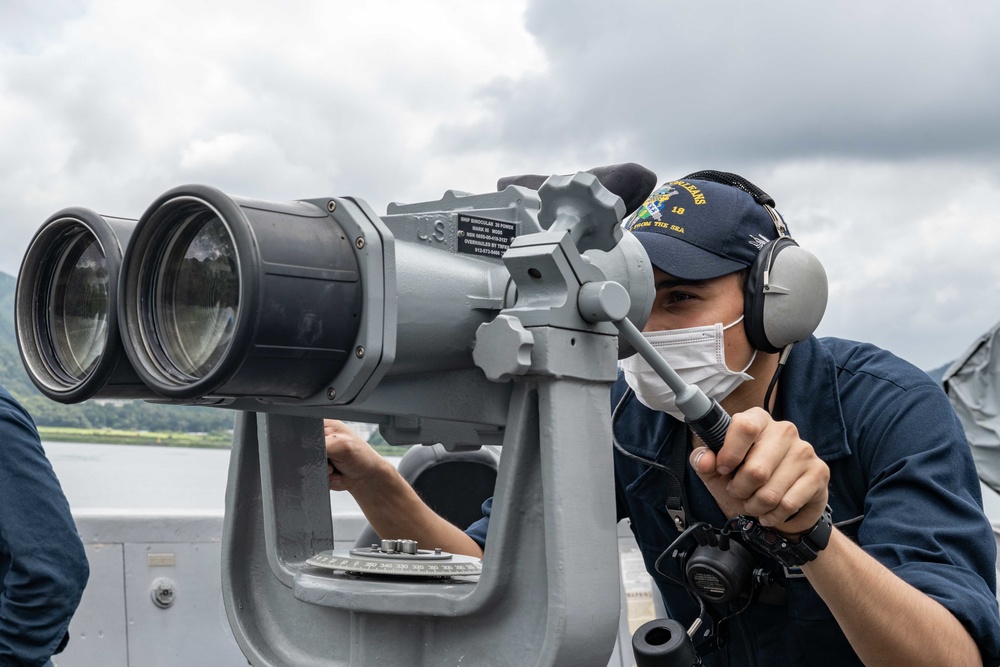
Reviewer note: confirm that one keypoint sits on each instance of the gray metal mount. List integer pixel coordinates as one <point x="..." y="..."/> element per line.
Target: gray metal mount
<point x="536" y="367"/>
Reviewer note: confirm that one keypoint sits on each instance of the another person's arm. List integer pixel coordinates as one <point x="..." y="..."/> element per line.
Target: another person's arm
<point x="392" y="507"/>
<point x="46" y="563"/>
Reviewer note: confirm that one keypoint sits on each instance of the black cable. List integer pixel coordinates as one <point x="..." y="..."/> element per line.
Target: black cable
<point x="774" y="378"/>
<point x="636" y="457"/>
<point x="702" y="610"/>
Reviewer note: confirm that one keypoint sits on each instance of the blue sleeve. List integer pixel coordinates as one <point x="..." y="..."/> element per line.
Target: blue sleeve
<point x="923" y="516"/>
<point x="42" y="560"/>
<point x="477" y="531"/>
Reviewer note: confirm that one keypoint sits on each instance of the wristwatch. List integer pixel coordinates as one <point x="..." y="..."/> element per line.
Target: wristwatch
<point x="783" y="549"/>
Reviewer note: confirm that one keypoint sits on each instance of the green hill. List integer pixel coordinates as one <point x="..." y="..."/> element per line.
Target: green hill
<point x="125" y="415"/>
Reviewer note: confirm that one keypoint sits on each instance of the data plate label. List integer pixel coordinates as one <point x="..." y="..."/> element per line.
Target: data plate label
<point x="482" y="236"/>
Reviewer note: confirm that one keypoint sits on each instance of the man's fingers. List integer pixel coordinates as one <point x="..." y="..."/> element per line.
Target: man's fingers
<point x="744" y="430"/>
<point x="703" y="460"/>
<point x="773" y="464"/>
<point x="777" y="477"/>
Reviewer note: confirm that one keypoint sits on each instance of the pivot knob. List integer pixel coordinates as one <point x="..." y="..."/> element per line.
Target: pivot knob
<point x="503" y="348"/>
<point x="580" y="205"/>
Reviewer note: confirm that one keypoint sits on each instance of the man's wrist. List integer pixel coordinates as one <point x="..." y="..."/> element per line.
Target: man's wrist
<point x="789" y="551"/>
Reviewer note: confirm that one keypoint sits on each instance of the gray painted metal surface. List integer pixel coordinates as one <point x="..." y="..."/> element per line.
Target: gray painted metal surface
<point x="549" y="590"/>
<point x="457" y="346"/>
<point x="118" y="623"/>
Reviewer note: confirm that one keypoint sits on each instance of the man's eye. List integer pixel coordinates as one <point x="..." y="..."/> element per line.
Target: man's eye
<point x="677" y="297"/>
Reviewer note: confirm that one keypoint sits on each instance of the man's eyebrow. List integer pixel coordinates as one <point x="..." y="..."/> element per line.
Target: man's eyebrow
<point x="677" y="282"/>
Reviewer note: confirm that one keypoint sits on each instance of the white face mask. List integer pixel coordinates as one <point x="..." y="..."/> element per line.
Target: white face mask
<point x="697" y="354"/>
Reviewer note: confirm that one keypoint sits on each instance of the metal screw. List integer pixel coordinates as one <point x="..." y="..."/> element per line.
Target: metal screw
<point x="331" y="206"/>
<point x="359" y="242"/>
<point x="360" y="352"/>
<point x="331" y="393"/>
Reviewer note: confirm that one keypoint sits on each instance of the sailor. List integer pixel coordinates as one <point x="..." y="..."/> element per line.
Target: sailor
<point x="870" y="545"/>
<point x="43" y="565"/>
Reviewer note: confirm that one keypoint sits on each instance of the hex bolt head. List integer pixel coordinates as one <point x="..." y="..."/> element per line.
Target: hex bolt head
<point x="164" y="593"/>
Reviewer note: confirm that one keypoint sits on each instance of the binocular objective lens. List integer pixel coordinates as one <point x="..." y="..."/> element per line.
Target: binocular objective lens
<point x="77" y="307"/>
<point x="196" y="294"/>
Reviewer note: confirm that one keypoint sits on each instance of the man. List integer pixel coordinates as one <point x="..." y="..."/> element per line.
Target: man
<point x="43" y="566"/>
<point x="906" y="574"/>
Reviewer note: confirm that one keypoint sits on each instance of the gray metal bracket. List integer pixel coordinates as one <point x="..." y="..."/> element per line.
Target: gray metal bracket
<point x="549" y="589"/>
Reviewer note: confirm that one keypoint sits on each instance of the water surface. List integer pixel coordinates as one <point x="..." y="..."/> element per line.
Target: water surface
<point x="147" y="477"/>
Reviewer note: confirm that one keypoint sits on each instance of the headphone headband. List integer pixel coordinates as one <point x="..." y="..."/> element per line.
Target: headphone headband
<point x="735" y="181"/>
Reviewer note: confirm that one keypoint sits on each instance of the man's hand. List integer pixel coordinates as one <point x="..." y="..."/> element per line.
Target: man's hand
<point x="778" y="479"/>
<point x="391" y="506"/>
<point x="351" y="462"/>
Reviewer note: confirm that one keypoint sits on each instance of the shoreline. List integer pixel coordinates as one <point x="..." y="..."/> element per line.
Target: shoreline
<point x="110" y="436"/>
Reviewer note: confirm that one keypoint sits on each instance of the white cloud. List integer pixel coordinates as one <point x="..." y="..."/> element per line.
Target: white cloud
<point x="872" y="125"/>
<point x="283" y="101"/>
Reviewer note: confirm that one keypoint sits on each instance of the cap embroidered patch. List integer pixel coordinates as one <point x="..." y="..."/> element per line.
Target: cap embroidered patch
<point x="698" y="229"/>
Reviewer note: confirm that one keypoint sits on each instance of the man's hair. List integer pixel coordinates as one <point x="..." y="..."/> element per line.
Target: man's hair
<point x="743" y="275"/>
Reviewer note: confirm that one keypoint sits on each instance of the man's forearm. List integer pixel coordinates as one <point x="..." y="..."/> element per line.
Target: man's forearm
<point x="395" y="511"/>
<point x="886" y="620"/>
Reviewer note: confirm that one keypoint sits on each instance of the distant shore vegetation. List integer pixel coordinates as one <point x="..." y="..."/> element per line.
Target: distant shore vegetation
<point x="217" y="439"/>
<point x="114" y="436"/>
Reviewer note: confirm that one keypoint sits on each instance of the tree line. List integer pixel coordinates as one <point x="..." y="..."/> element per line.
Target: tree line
<point x="97" y="414"/>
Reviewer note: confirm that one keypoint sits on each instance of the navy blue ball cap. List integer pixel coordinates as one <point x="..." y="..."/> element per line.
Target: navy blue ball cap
<point x="698" y="229"/>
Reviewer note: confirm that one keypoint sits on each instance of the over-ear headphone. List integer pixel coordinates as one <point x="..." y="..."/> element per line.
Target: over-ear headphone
<point x="786" y="290"/>
<point x="716" y="565"/>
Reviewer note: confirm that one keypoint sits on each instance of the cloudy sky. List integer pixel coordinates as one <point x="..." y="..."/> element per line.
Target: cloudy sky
<point x="875" y="126"/>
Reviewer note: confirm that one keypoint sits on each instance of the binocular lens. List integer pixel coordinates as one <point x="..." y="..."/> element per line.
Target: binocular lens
<point x="196" y="292"/>
<point x="77" y="307"/>
<point x="230" y="297"/>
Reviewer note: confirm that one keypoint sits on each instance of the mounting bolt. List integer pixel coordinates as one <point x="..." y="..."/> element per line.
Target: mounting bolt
<point x="359" y="242"/>
<point x="163" y="593"/>
<point x="359" y="352"/>
<point x="331" y="393"/>
<point x="331" y="206"/>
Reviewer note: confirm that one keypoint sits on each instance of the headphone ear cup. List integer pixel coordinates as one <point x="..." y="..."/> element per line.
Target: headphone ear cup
<point x="719" y="574"/>
<point x="790" y="306"/>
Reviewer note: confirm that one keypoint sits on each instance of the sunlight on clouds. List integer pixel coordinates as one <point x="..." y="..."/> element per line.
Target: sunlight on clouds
<point x="119" y="100"/>
<point x="216" y="152"/>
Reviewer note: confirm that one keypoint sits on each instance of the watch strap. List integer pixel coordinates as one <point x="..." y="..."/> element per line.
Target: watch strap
<point x="787" y="552"/>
